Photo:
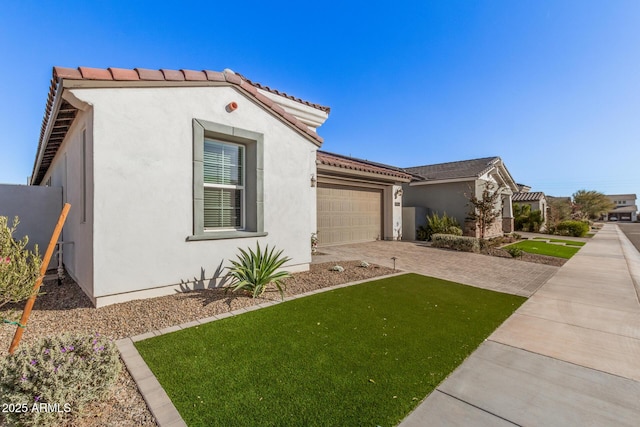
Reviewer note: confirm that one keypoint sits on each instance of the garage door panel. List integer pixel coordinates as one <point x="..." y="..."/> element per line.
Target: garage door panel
<point x="348" y="214"/>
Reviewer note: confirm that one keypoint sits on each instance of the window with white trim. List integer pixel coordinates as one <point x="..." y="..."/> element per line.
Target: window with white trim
<point x="224" y="192"/>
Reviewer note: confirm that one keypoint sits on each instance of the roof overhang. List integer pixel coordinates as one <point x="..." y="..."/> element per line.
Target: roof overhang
<point x="358" y="175"/>
<point x="443" y="181"/>
<point x="61" y="110"/>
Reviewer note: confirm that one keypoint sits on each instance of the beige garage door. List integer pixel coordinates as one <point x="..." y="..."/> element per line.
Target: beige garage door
<point x="348" y="214"/>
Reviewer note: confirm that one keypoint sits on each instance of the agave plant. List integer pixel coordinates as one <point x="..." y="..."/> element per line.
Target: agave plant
<point x="254" y="271"/>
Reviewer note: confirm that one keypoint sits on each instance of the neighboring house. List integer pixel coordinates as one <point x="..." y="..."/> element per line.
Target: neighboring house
<point x="536" y="200"/>
<point x="625" y="208"/>
<point x="447" y="187"/>
<point x="170" y="172"/>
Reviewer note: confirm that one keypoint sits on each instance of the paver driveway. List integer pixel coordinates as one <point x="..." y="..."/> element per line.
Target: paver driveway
<point x="500" y="274"/>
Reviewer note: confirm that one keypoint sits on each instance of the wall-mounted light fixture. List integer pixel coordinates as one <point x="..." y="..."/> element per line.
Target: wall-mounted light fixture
<point x="313" y="180"/>
<point x="398" y="193"/>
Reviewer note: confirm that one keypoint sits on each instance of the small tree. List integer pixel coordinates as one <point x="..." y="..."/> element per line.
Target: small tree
<point x="484" y="210"/>
<point x="19" y="267"/>
<point x="525" y="219"/>
<point x="558" y="209"/>
<point x="591" y="204"/>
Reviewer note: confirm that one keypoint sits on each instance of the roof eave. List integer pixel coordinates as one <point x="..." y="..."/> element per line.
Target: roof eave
<point x="442" y="181"/>
<point x="324" y="169"/>
<point x="44" y="138"/>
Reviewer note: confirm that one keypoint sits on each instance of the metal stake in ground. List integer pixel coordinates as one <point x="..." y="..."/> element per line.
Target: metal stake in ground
<point x="43" y="269"/>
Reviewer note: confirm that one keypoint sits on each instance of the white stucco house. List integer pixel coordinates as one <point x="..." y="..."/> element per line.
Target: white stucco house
<point x="624" y="208"/>
<point x="169" y="172"/>
<point x="447" y="187"/>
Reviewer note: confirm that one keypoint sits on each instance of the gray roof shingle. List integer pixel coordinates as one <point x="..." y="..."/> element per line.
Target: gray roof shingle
<point x="463" y="169"/>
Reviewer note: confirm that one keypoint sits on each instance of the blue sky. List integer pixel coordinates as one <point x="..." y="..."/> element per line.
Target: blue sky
<point x="552" y="87"/>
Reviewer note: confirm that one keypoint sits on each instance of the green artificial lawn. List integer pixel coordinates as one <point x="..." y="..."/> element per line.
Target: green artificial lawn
<point x="362" y="355"/>
<point x="566" y="242"/>
<point x="542" y="248"/>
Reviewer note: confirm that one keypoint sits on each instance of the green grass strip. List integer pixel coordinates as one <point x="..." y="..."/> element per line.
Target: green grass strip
<point x="361" y="355"/>
<point x="543" y="248"/>
<point x="566" y="242"/>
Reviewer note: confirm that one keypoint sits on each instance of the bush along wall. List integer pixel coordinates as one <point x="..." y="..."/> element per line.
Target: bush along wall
<point x="458" y="243"/>
<point x="572" y="228"/>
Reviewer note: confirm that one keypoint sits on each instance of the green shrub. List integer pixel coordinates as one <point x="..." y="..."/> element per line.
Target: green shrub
<point x="67" y="370"/>
<point x="459" y="243"/>
<point x="254" y="271"/>
<point x="19" y="267"/>
<point x="421" y="233"/>
<point x="515" y="252"/>
<point x="525" y="219"/>
<point x="439" y="225"/>
<point x="572" y="228"/>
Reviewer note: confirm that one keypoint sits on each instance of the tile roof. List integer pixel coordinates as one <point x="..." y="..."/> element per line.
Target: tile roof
<point x="622" y="196"/>
<point x="59" y="117"/>
<point x="340" y="161"/>
<point x="463" y="169"/>
<point x="527" y="196"/>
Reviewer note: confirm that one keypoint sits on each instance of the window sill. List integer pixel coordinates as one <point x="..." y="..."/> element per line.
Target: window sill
<point x="219" y="235"/>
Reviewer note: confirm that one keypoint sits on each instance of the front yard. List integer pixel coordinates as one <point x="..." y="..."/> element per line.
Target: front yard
<point x="362" y="355"/>
<point x="558" y="249"/>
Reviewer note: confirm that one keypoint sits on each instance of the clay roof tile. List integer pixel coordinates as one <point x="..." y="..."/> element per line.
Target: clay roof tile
<point x="194" y="75"/>
<point x="67" y="73"/>
<point x="172" y="75"/>
<point x="95" y="73"/>
<point x="214" y="76"/>
<point x="146" y="74"/>
<point x="124" y="74"/>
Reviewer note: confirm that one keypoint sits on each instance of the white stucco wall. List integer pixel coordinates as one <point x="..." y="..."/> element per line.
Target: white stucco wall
<point x="143" y="186"/>
<point x="66" y="171"/>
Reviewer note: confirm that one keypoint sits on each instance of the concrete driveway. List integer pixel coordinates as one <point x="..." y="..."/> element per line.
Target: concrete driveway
<point x="499" y="274"/>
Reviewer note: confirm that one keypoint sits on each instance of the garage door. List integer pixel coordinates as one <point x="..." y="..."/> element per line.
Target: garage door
<point x="348" y="214"/>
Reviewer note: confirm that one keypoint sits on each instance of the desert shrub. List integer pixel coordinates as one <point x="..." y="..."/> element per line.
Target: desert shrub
<point x="67" y="370"/>
<point x="437" y="224"/>
<point x="572" y="228"/>
<point x="254" y="271"/>
<point x="515" y="252"/>
<point x="19" y="267"/>
<point x="458" y="243"/>
<point x="527" y="220"/>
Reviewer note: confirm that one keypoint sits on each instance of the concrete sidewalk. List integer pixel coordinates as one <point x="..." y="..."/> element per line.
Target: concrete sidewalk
<point x="569" y="356"/>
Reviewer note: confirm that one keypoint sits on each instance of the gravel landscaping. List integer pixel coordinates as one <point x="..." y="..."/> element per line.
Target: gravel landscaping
<point x="67" y="309"/>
